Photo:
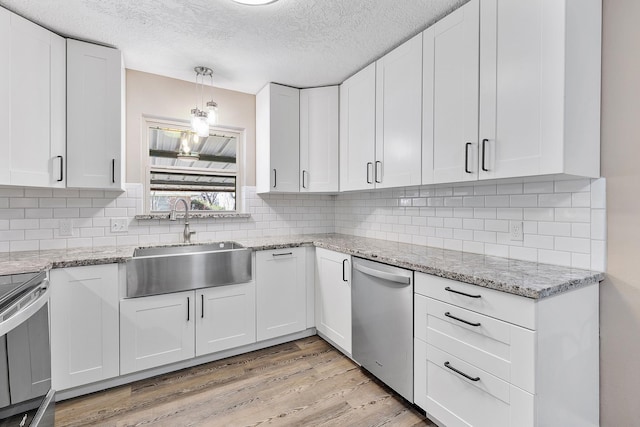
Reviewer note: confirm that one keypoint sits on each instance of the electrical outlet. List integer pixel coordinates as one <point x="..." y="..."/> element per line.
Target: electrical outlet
<point x="65" y="227"/>
<point x="516" y="230"/>
<point x="119" y="225"/>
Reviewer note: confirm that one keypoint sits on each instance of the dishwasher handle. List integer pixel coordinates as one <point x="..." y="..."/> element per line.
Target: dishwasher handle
<point x="382" y="274"/>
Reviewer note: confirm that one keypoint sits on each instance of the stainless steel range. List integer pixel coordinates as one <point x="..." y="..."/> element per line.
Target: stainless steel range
<point x="26" y="397"/>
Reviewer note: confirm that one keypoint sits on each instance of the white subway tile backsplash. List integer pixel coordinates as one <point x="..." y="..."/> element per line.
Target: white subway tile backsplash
<point x="598" y="194"/>
<point x="473" y="201"/>
<point x="572" y="186"/>
<point x="483" y="190"/>
<point x="573" y="244"/>
<point x="554" y="257"/>
<point x="561" y="220"/>
<point x="538" y="187"/>
<point x="509" y="189"/>
<point x="554" y="200"/>
<point x="539" y="214"/>
<point x="573" y="214"/>
<point x="554" y="228"/>
<point x="598" y="224"/>
<point x="524" y="201"/>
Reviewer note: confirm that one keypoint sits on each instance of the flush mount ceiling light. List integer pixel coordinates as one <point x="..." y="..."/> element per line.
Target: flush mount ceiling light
<point x="255" y="2"/>
<point x="203" y="115"/>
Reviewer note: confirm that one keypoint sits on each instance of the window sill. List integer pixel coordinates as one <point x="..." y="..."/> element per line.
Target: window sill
<point x="193" y="214"/>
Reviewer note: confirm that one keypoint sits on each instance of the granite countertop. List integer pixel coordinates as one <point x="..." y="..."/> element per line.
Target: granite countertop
<point x="527" y="279"/>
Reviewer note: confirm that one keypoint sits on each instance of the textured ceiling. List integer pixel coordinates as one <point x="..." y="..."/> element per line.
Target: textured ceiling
<point x="302" y="43"/>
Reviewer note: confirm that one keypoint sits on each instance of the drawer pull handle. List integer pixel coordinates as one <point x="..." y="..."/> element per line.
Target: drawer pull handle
<point x="461" y="320"/>
<point x="283" y="254"/>
<point x="448" y="289"/>
<point x="448" y="365"/>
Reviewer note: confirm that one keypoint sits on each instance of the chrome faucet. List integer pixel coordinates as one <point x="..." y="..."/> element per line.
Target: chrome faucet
<point x="187" y="233"/>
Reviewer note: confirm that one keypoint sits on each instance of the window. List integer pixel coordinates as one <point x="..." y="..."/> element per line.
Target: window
<point x="207" y="180"/>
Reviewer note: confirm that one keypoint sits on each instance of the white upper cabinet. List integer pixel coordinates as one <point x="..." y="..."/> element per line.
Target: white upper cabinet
<point x="94" y="116"/>
<point x="319" y="139"/>
<point x="450" y="101"/>
<point x="380" y="122"/>
<point x="32" y="103"/>
<point x="540" y="87"/>
<point x="357" y="130"/>
<point x="512" y="89"/>
<point x="277" y="139"/>
<point x="399" y="116"/>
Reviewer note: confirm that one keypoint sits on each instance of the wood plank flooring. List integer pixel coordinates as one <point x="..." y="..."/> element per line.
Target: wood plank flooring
<point x="301" y="383"/>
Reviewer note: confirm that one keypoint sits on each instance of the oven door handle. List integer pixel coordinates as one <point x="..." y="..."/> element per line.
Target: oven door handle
<point x="43" y="291"/>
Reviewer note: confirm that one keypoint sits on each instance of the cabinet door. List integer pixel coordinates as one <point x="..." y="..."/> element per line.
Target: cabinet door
<point x="522" y="62"/>
<point x="94" y="116"/>
<point x="319" y="139"/>
<point x="84" y="325"/>
<point x="277" y="139"/>
<point x="37" y="128"/>
<point x="281" y="292"/>
<point x="5" y="95"/>
<point x="156" y="330"/>
<point x="450" y="113"/>
<point x="225" y="317"/>
<point x="358" y="130"/>
<point x="399" y="116"/>
<point x="333" y="297"/>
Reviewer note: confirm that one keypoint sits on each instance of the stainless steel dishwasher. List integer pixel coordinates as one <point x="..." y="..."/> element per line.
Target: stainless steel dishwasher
<point x="382" y="315"/>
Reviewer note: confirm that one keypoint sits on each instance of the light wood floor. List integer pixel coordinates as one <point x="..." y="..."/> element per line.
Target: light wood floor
<point x="302" y="383"/>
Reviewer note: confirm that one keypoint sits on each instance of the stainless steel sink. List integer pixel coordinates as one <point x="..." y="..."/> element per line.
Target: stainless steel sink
<point x="163" y="270"/>
<point x="187" y="249"/>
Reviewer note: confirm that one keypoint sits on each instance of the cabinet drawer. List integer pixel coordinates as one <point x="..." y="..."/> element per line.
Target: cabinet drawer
<point x="455" y="400"/>
<point x="499" y="348"/>
<point x="508" y="307"/>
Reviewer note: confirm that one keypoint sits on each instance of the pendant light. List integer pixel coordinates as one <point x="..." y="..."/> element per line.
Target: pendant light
<point x="203" y="116"/>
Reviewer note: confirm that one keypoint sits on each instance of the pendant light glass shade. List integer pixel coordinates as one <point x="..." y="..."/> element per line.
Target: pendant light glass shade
<point x="212" y="113"/>
<point x="203" y="116"/>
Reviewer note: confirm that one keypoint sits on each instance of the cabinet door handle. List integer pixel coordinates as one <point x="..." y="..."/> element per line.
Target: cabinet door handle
<point x="378" y="162"/>
<point x="61" y="168"/>
<point x="369" y="167"/>
<point x="466" y="157"/>
<point x="113" y="171"/>
<point x="461" y="320"/>
<point x="275" y="178"/>
<point x="448" y="289"/>
<point x="283" y="254"/>
<point x="344" y="276"/>
<point x="188" y="309"/>
<point x="202" y="308"/>
<point x="484" y="149"/>
<point x="448" y="365"/>
<point x="304" y="172"/>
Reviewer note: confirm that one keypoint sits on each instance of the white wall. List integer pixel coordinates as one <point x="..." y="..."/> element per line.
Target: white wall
<point x="620" y="292"/>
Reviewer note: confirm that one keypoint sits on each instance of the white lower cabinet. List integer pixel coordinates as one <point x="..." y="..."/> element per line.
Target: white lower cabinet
<point x="488" y="358"/>
<point x="84" y="325"/>
<point x="333" y="297"/>
<point x="281" y="291"/>
<point x="162" y="329"/>
<point x="156" y="330"/>
<point x="226" y="317"/>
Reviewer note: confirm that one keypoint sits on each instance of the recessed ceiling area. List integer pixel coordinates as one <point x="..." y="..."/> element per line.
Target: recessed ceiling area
<point x="301" y="43"/>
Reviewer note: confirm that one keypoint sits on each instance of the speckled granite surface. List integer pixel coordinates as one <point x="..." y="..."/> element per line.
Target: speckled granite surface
<point x="195" y="214"/>
<point x="522" y="278"/>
